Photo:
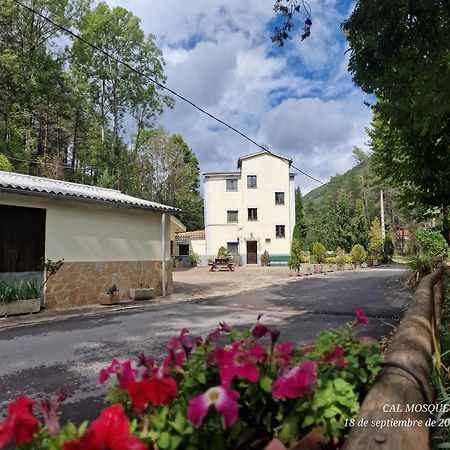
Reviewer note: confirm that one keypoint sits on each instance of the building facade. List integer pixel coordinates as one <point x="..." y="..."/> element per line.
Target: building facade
<point x="251" y="210"/>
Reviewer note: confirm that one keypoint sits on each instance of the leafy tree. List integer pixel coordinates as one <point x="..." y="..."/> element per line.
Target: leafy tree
<point x="169" y="173"/>
<point x="295" y="257"/>
<point x="375" y="237"/>
<point x="360" y="227"/>
<point x="432" y="242"/>
<point x="300" y="228"/>
<point x="5" y="165"/>
<point x="399" y="52"/>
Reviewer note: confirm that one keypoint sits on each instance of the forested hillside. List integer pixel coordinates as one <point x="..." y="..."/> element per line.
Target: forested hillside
<point x="340" y="213"/>
<point x="66" y="110"/>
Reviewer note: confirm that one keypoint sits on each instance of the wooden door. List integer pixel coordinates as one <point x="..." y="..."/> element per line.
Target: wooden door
<point x="252" y="252"/>
<point x="22" y="238"/>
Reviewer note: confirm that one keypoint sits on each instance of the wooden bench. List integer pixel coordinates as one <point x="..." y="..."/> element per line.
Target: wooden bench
<point x="280" y="259"/>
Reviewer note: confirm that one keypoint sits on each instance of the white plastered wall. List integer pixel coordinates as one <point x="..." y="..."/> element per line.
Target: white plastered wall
<point x="78" y="231"/>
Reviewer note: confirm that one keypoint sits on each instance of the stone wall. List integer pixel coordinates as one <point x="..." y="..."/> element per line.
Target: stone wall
<point x="80" y="283"/>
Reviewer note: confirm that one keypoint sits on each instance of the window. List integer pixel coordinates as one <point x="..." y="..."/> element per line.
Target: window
<point x="232" y="184"/>
<point x="232" y="216"/>
<point x="280" y="231"/>
<point x="252" y="214"/>
<point x="183" y="249"/>
<point x="267" y="240"/>
<point x="251" y="181"/>
<point x="279" y="198"/>
<point x="232" y="247"/>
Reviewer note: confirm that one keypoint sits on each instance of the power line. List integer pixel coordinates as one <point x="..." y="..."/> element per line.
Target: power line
<point x="157" y="83"/>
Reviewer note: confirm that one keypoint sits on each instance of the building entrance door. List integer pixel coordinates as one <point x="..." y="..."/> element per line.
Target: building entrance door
<point x="252" y="252"/>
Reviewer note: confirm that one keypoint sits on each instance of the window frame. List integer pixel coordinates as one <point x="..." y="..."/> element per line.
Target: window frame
<point x="233" y="181"/>
<point x="234" y="243"/>
<point x="250" y="184"/>
<point x="252" y="219"/>
<point x="233" y="211"/>
<point x="279" y="235"/>
<point x="279" y="203"/>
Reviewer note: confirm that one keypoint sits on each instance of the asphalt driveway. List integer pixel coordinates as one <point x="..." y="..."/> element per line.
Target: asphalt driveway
<point x="40" y="358"/>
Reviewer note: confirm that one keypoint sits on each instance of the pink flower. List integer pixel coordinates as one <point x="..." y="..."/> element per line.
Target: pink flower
<point x="360" y="318"/>
<point x="124" y="372"/>
<point x="337" y="357"/>
<point x="260" y="330"/>
<point x="235" y="362"/>
<point x="222" y="399"/>
<point x="282" y="354"/>
<point x="294" y="382"/>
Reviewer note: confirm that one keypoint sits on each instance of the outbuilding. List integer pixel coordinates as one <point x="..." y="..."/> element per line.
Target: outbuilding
<point x="104" y="237"/>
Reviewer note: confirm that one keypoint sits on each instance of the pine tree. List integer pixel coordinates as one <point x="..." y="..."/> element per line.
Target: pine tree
<point x="300" y="228"/>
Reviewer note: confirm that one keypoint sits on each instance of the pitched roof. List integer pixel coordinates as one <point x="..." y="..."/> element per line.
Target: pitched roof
<point x="27" y="184"/>
<point x="253" y="155"/>
<point x="199" y="234"/>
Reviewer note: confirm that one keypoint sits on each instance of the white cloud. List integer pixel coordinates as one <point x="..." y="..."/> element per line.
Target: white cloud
<point x="299" y="98"/>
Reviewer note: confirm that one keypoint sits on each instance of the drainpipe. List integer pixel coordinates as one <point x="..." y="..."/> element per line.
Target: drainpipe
<point x="163" y="248"/>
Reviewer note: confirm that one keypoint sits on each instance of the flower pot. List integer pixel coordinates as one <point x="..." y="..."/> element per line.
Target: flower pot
<point x="20" y="307"/>
<point x="141" y="293"/>
<point x="306" y="269"/>
<point x="109" y="299"/>
<point x="341" y="266"/>
<point x="333" y="267"/>
<point x="318" y="268"/>
<point x="376" y="262"/>
<point x="312" y="441"/>
<point x="349" y="266"/>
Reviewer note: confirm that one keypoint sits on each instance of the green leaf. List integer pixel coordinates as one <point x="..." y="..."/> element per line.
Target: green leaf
<point x="266" y="383"/>
<point x="164" y="440"/>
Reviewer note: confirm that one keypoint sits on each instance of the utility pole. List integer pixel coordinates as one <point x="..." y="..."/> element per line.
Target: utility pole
<point x="383" y="231"/>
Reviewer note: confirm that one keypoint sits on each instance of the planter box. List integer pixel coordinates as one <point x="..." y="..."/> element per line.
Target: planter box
<point x="376" y="262"/>
<point x="318" y="268"/>
<point x="20" y="307"/>
<point x="142" y="293"/>
<point x="306" y="269"/>
<point x="348" y="266"/>
<point x="109" y="299"/>
<point x="332" y="267"/>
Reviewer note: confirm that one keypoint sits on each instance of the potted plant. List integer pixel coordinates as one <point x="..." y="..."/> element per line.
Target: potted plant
<point x="358" y="255"/>
<point x="195" y="259"/>
<point x="19" y="298"/>
<point x="265" y="258"/>
<point x="110" y="297"/>
<point x="142" y="292"/>
<point x="320" y="254"/>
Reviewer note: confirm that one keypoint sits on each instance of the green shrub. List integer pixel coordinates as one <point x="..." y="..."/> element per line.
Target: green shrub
<point x="341" y="259"/>
<point x="319" y="252"/>
<point x="358" y="254"/>
<point x="432" y="243"/>
<point x="332" y="260"/>
<point x="22" y="290"/>
<point x="296" y="256"/>
<point x="222" y="252"/>
<point x="195" y="259"/>
<point x="419" y="266"/>
<point x="265" y="258"/>
<point x="389" y="248"/>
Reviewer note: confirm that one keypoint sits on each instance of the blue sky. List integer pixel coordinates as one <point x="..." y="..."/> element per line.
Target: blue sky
<point x="299" y="100"/>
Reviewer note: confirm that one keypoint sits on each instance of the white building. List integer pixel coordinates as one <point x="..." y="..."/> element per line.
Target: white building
<point x="251" y="210"/>
<point x="105" y="237"/>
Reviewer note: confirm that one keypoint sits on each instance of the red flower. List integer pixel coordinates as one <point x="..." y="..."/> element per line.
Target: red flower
<point x="20" y="425"/>
<point x="360" y="318"/>
<point x="294" y="382"/>
<point x="155" y="390"/>
<point x="337" y="357"/>
<point x="110" y="431"/>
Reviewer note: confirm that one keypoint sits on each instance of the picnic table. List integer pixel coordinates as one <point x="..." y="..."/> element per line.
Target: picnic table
<point x="222" y="264"/>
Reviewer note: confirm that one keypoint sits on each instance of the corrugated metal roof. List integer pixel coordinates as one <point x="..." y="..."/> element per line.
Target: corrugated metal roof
<point x="15" y="182"/>
<point x="199" y="234"/>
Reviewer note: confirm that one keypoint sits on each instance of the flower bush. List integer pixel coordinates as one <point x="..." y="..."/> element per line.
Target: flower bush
<point x="230" y="389"/>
